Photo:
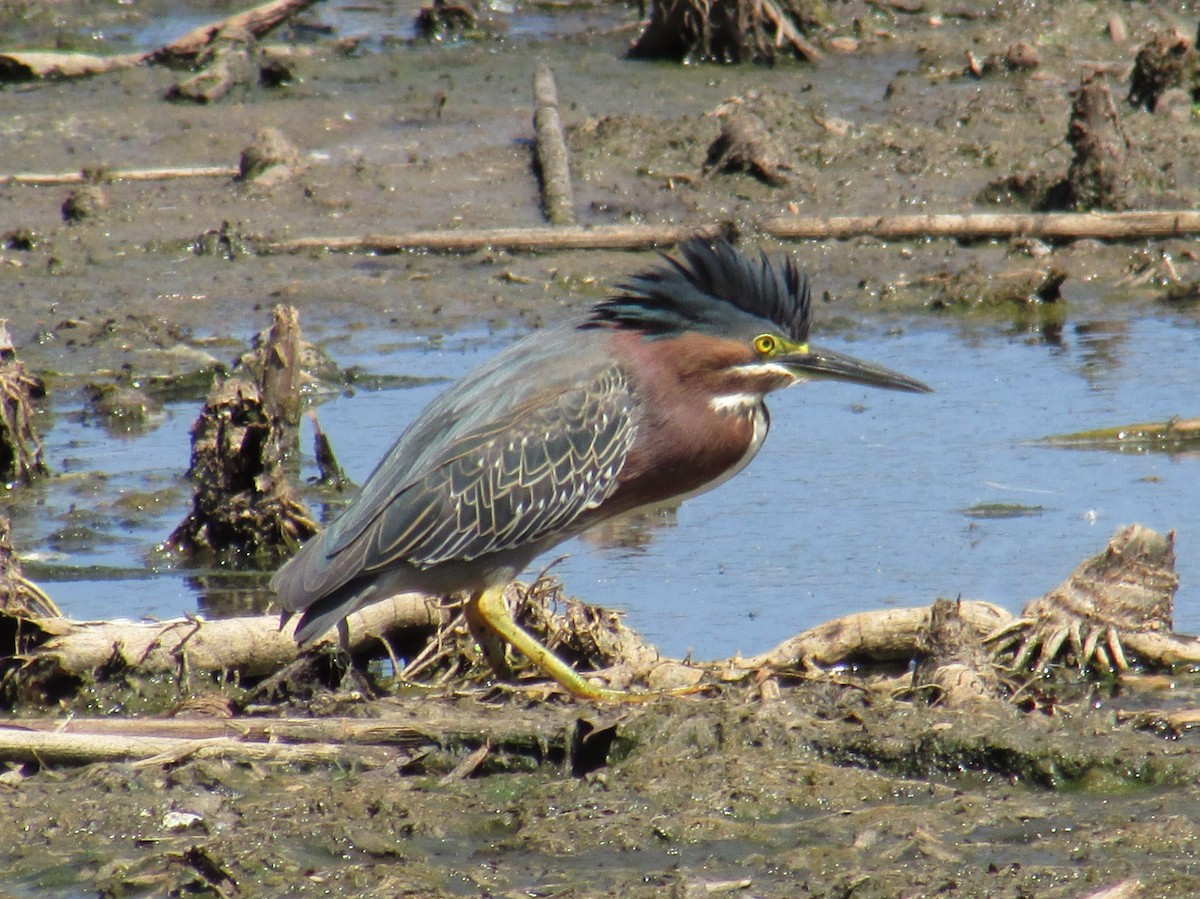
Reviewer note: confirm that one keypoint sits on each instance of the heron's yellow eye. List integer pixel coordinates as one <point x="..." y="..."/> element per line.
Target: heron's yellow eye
<point x="766" y="344"/>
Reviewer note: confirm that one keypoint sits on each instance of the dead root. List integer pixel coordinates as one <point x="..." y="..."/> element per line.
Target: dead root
<point x="1098" y="175"/>
<point x="1119" y="599"/>
<point x="591" y="639"/>
<point x="952" y="660"/>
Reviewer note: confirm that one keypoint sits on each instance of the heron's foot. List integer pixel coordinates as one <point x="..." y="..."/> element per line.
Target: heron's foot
<point x="489" y="618"/>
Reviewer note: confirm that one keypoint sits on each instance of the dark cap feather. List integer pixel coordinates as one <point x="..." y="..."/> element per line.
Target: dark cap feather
<point x="711" y="284"/>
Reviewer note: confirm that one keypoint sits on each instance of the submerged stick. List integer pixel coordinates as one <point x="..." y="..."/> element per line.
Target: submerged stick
<point x="558" y="203"/>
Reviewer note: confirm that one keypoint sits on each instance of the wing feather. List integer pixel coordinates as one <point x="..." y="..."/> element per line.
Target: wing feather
<point x="473" y="486"/>
<point x="503" y="488"/>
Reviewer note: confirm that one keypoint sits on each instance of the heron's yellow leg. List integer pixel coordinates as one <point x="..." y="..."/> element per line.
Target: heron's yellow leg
<point x="489" y="608"/>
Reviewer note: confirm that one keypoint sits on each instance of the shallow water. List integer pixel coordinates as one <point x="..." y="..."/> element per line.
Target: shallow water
<point x="860" y="498"/>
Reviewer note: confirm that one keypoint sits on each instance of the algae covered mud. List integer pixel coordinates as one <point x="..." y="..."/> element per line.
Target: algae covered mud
<point x="127" y="294"/>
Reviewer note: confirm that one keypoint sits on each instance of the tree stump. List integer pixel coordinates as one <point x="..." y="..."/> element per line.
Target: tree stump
<point x="1167" y="60"/>
<point x="1097" y="176"/>
<point x="244" y="511"/>
<point x="729" y="30"/>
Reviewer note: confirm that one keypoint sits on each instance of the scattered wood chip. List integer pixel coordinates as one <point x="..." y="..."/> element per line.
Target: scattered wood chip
<point x="468" y="767"/>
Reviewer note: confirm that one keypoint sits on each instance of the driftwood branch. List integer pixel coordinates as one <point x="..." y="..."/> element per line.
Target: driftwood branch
<point x="977" y="226"/>
<point x="254" y="645"/>
<point x="558" y="203"/>
<point x="397" y="733"/>
<point x="53" y="179"/>
<point x="257" y="21"/>
<point x="611" y="237"/>
<point x="18" y="65"/>
<point x="887" y="635"/>
<point x="972" y="226"/>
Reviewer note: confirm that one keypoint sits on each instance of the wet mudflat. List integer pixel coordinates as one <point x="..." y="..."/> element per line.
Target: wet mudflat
<point x="825" y="792"/>
<point x="831" y="789"/>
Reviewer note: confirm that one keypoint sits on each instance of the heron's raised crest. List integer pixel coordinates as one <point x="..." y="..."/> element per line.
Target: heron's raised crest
<point x="712" y="284"/>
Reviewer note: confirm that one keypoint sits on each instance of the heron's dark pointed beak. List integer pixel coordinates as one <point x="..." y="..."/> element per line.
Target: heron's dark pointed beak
<point x="819" y="363"/>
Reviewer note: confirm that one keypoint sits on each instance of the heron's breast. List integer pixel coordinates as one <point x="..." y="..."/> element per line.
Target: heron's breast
<point x="690" y="451"/>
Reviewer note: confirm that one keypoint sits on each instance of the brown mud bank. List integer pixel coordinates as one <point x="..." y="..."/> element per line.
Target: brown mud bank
<point x="828" y="790"/>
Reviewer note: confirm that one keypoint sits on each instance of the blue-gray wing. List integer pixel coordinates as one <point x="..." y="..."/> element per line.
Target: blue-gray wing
<point x="516" y="482"/>
<point x="456" y="491"/>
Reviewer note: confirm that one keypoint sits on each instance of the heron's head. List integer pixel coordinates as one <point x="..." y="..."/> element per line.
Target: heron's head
<point x="750" y="317"/>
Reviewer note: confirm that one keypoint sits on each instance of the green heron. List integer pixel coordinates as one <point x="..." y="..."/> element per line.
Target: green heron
<point x="651" y="395"/>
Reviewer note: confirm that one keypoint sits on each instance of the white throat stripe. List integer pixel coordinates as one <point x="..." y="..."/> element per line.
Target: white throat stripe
<point x="735" y="402"/>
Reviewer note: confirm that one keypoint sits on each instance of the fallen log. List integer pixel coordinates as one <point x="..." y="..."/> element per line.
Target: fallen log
<point x="253" y="645"/>
<point x="886" y="635"/>
<point x="1128" y="591"/>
